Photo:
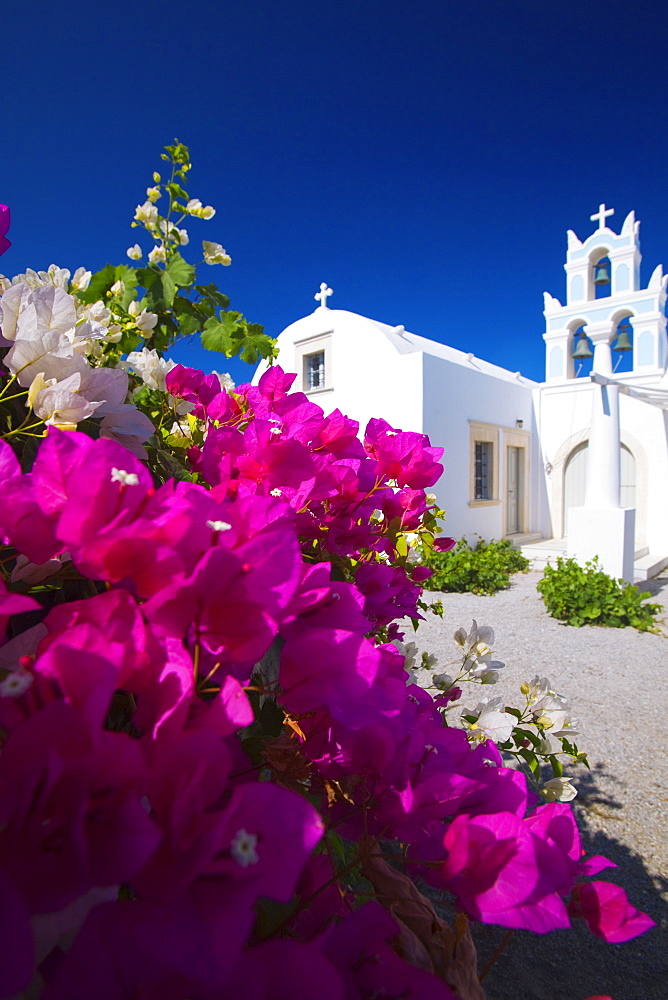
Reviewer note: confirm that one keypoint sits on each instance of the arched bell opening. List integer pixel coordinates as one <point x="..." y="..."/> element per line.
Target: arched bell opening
<point x="582" y="353"/>
<point x="622" y="346"/>
<point x="600" y="275"/>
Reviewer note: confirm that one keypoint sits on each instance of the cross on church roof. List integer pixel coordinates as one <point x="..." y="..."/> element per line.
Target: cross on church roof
<point x="323" y="294"/>
<point x="602" y="215"/>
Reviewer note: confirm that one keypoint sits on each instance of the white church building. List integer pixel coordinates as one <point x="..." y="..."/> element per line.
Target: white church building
<point x="577" y="464"/>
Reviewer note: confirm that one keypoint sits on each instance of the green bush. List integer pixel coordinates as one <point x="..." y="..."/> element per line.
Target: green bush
<point x="588" y="596"/>
<point x="482" y="569"/>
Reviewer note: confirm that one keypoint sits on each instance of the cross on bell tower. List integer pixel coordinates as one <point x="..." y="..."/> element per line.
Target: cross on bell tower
<point x="602" y="215"/>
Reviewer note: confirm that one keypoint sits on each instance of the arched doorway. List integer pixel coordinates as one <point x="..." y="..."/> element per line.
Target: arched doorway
<point x="575" y="473"/>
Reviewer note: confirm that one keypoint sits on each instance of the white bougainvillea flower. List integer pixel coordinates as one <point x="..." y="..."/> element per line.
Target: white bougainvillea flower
<point x="153" y="193"/>
<point x="15" y="300"/>
<point x="144" y="319"/>
<point x="225" y="379"/>
<point x="57" y="276"/>
<point x="558" y="790"/>
<point x="129" y="427"/>
<point x="491" y="721"/>
<point x="96" y="312"/>
<point x="36" y="386"/>
<point x="107" y="387"/>
<point x="207" y="212"/>
<point x="47" y="308"/>
<point x="150" y="367"/>
<point x="158" y="255"/>
<point x="50" y="354"/>
<point x="172" y="232"/>
<point x="135" y="252"/>
<point x="443" y="681"/>
<point x="81" y="279"/>
<point x="214" y="253"/>
<point x="34" y="573"/>
<point x="147" y="213"/>
<point x="61" y="405"/>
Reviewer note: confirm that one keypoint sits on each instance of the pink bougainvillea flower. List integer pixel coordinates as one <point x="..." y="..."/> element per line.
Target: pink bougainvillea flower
<point x="607" y="912"/>
<point x="329" y="667"/>
<point x="16" y="968"/>
<point x="444" y="544"/>
<point x="388" y="593"/>
<point x="5" y="219"/>
<point x="13" y="604"/>
<point x="71" y="816"/>
<point x="501" y="873"/>
<point x="265" y="970"/>
<point x="404" y="456"/>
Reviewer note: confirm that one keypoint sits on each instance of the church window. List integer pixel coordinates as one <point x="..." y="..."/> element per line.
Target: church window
<point x="484" y="461"/>
<point x="313" y="361"/>
<point x="314" y="375"/>
<point x="483" y="470"/>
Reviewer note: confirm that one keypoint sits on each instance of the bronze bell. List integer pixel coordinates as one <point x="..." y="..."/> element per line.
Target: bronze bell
<point x="583" y="350"/>
<point x="623" y="339"/>
<point x="601" y="276"/>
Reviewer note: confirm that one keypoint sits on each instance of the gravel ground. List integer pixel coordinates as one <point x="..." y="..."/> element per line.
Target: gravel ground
<point x="616" y="681"/>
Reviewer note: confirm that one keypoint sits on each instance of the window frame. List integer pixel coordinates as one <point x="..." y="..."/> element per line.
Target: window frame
<point x="304" y="349"/>
<point x="481" y="433"/>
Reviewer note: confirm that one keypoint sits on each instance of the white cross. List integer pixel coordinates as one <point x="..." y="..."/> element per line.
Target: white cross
<point x="602" y="215"/>
<point x="323" y="294"/>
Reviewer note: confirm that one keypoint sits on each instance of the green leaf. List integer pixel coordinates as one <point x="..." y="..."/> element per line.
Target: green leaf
<point x="181" y="273"/>
<point x="174" y="441"/>
<point x="129" y="342"/>
<point x="172" y="466"/>
<point x="176" y="191"/>
<point x="101" y="282"/>
<point x="219" y="334"/>
<point x="160" y="288"/>
<point x="190" y="316"/>
<point x="211" y="292"/>
<point x="531" y="760"/>
<point x="557" y="768"/>
<point x="271" y="719"/>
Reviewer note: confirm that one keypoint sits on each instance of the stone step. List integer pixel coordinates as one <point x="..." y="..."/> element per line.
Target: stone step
<point x="648" y="566"/>
<point x="527" y="538"/>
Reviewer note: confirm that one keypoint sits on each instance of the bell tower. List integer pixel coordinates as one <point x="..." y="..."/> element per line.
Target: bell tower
<point x="603" y="291"/>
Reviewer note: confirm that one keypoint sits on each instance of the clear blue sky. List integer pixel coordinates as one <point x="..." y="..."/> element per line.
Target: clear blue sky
<point x="423" y="158"/>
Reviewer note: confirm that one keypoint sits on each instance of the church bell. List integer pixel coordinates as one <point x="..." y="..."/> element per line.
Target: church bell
<point x="583" y="350"/>
<point x="623" y="339"/>
<point x="601" y="276"/>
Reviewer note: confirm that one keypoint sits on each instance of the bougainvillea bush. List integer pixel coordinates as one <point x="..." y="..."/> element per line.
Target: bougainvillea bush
<point x="218" y="778"/>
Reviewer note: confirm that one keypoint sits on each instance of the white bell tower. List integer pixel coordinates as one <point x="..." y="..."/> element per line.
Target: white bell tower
<point x="644" y="308"/>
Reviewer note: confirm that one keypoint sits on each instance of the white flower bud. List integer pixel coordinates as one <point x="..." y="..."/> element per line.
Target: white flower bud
<point x="134" y="253"/>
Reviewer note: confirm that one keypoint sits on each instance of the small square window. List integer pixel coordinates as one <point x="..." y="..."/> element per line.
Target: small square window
<point x="314" y="371"/>
<point x="483" y="470"/>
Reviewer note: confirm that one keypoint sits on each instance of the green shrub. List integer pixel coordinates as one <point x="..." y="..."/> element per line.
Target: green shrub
<point x="481" y="569"/>
<point x="588" y="596"/>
